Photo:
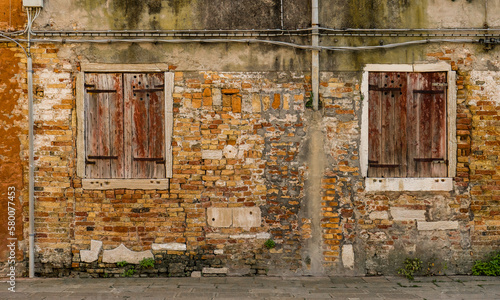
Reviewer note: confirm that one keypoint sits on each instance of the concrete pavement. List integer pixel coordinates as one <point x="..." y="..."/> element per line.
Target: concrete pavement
<point x="251" y="288"/>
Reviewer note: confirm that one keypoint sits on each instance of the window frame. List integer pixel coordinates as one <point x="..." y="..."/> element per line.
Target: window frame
<point x="410" y="183"/>
<point x="124" y="183"/>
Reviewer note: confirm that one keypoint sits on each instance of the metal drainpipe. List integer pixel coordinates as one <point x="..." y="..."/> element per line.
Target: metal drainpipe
<point x="315" y="54"/>
<point x="31" y="166"/>
<point x="282" y="16"/>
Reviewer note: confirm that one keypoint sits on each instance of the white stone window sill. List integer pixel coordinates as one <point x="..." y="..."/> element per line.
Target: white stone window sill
<point x="408" y="184"/>
<point x="131" y="184"/>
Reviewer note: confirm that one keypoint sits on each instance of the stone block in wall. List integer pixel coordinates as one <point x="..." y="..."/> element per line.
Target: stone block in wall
<point x="439" y="225"/>
<point x="217" y="97"/>
<point x="379" y="215"/>
<point x="169" y="246"/>
<point x="92" y="254"/>
<point x="246" y="217"/>
<point x="214" y="270"/>
<point x="122" y="253"/>
<point x="403" y="214"/>
<point x="219" y="216"/>
<point x="211" y="154"/>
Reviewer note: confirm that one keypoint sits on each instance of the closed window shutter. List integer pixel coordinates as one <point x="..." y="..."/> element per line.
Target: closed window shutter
<point x="145" y="125"/>
<point x="427" y="134"/>
<point x="387" y="125"/>
<point x="407" y="125"/>
<point x="104" y="125"/>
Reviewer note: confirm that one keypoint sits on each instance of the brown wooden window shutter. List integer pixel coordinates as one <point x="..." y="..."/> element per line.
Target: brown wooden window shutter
<point x="145" y="125"/>
<point x="125" y="125"/>
<point x="104" y="126"/>
<point x="407" y="124"/>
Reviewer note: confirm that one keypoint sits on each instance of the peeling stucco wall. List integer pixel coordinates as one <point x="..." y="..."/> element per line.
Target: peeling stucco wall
<point x="12" y="131"/>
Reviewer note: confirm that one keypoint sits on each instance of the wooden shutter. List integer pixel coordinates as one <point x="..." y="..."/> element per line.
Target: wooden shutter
<point x="387" y="124"/>
<point x="427" y="131"/>
<point x="145" y="125"/>
<point x="104" y="125"/>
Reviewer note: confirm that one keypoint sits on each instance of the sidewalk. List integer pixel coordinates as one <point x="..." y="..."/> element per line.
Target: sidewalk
<point x="251" y="288"/>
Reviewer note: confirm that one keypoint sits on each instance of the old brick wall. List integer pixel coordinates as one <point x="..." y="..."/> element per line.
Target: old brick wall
<point x="482" y="100"/>
<point x="54" y="158"/>
<point x="236" y="143"/>
<point x="248" y="140"/>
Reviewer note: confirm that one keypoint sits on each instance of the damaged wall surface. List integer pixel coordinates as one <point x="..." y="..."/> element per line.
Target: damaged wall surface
<point x="255" y="182"/>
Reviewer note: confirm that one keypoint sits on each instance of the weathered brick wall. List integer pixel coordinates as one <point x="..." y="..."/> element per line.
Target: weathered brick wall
<point x="54" y="147"/>
<point x="385" y="228"/>
<point x="482" y="100"/>
<point x="236" y="141"/>
<point x="247" y="140"/>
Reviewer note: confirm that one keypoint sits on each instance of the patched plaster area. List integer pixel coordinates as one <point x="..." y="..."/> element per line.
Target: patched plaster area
<point x="348" y="257"/>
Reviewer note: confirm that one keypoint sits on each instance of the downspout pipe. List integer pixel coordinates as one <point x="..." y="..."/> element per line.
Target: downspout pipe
<point x="282" y="16"/>
<point x="31" y="165"/>
<point x="315" y="54"/>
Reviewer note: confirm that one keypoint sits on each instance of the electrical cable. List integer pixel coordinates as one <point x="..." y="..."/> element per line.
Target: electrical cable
<point x="13" y="40"/>
<point x="388" y="46"/>
<point x="249" y="41"/>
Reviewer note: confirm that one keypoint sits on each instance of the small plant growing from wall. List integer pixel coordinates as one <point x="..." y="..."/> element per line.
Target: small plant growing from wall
<point x="410" y="267"/>
<point x="129" y="272"/>
<point x="147" y="263"/>
<point x="490" y="267"/>
<point x="270" y="244"/>
<point x="121" y="264"/>
<point x="310" y="100"/>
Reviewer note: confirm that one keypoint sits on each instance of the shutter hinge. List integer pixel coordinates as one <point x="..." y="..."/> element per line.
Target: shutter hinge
<point x="439" y="84"/>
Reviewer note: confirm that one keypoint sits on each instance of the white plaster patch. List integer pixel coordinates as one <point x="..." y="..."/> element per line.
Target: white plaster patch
<point x="92" y="254"/>
<point x="439" y="225"/>
<point x="230" y="151"/>
<point x="348" y="257"/>
<point x="379" y="215"/>
<point x="211" y="154"/>
<point x="263" y="235"/>
<point x="243" y="236"/>
<point x="403" y="214"/>
<point x="122" y="253"/>
<point x="489" y="82"/>
<point x="220" y="183"/>
<point x="169" y="246"/>
<point x="219" y="251"/>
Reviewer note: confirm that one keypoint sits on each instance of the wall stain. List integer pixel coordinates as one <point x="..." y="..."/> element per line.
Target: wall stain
<point x="11" y="168"/>
<point x="12" y="16"/>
